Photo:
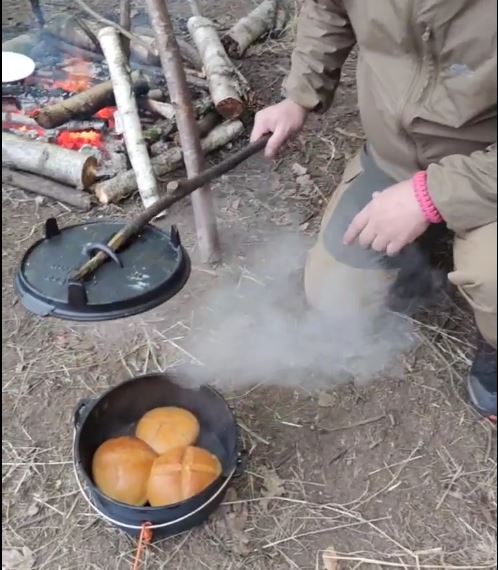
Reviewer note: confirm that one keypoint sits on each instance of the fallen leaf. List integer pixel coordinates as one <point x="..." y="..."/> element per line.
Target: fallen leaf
<point x="15" y="559"/>
<point x="33" y="510"/>
<point x="329" y="557"/>
<point x="298" y="170"/>
<point x="274" y="486"/>
<point x="325" y="400"/>
<point x="304" y="181"/>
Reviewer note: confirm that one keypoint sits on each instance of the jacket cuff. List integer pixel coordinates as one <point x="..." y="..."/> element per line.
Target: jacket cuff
<point x="420" y="188"/>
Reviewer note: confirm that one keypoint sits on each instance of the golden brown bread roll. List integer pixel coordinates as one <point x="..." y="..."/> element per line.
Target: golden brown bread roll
<point x="121" y="468"/>
<point x="165" y="428"/>
<point x="180" y="474"/>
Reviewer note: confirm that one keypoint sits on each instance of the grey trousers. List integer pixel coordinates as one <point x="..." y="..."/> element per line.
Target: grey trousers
<point x="350" y="276"/>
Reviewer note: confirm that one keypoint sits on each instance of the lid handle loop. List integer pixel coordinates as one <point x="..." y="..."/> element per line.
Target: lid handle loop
<point x="91" y="248"/>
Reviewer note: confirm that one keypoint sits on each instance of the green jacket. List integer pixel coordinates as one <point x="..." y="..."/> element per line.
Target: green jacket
<point x="427" y="90"/>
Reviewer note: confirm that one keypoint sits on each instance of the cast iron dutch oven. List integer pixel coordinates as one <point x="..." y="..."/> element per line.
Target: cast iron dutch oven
<point x="117" y="412"/>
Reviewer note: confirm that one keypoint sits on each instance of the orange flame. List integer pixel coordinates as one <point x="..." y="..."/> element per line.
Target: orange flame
<point x="78" y="77"/>
<point x="74" y="140"/>
<point x="106" y="114"/>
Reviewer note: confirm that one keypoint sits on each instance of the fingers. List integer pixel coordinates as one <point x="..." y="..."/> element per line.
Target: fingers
<point x="393" y="249"/>
<point x="356" y="227"/>
<point x="367" y="236"/>
<point x="260" y="128"/>
<point x="379" y="244"/>
<point x="278" y="138"/>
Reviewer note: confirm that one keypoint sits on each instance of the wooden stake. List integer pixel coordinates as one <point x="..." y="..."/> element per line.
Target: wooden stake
<point x="193" y="157"/>
<point x="128" y="114"/>
<point x="48" y="188"/>
<point x="178" y="190"/>
<point x="125" y="22"/>
<point x="250" y="28"/>
<point x="225" y="85"/>
<point x="67" y="166"/>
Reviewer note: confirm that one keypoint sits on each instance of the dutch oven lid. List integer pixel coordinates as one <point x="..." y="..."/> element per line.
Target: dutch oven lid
<point x="150" y="270"/>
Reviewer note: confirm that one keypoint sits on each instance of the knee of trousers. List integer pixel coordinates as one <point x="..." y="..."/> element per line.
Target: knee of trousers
<point x="335" y="288"/>
<point x="474" y="274"/>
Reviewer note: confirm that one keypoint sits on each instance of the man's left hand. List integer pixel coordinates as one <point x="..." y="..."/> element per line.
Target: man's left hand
<point x="392" y="220"/>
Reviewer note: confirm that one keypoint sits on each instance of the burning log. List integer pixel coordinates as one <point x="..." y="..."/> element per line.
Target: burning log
<point x="48" y="188"/>
<point x="124" y="184"/>
<point x="87" y="103"/>
<point x="128" y="113"/>
<point x="250" y="28"/>
<point x="225" y="84"/>
<point x="67" y="166"/>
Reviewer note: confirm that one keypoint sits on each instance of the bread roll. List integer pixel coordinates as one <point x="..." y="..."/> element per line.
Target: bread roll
<point x="180" y="474"/>
<point x="121" y="469"/>
<point x="163" y="429"/>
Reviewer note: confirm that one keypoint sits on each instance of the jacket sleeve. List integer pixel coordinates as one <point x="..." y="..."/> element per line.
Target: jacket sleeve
<point x="463" y="189"/>
<point x="324" y="39"/>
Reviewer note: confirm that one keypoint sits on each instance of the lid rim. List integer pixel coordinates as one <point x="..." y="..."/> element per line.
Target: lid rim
<point x="111" y="310"/>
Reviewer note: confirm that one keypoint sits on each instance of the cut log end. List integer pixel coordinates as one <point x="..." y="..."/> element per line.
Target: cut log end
<point x="230" y="108"/>
<point x="90" y="171"/>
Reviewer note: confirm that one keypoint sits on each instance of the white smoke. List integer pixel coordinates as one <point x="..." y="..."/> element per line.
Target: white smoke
<point x="256" y="327"/>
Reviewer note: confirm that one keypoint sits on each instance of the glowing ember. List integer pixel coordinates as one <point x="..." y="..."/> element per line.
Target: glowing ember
<point x="72" y="85"/>
<point x="75" y="140"/>
<point x="78" y="77"/>
<point x="106" y="114"/>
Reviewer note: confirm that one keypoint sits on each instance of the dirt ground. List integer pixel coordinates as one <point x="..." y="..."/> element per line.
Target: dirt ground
<point x="396" y="474"/>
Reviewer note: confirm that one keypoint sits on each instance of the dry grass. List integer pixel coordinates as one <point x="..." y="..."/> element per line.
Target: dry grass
<point x="401" y="474"/>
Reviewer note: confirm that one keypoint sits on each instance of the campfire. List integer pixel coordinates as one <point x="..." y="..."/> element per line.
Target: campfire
<point x="95" y="121"/>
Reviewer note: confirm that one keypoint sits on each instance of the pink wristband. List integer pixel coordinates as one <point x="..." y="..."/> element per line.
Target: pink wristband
<point x="424" y="199"/>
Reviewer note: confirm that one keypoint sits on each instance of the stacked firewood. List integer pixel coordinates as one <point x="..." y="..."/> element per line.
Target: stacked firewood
<point x="134" y="61"/>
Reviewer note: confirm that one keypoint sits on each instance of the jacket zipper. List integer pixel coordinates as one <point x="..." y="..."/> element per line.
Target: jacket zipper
<point x="422" y="54"/>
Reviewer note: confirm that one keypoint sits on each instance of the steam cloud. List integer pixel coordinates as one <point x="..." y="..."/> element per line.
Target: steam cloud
<point x="256" y="329"/>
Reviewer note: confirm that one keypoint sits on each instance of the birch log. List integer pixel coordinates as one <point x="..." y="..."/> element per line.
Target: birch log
<point x="128" y="114"/>
<point x="224" y="82"/>
<point x="124" y="184"/>
<point x="49" y="188"/>
<point x="250" y="28"/>
<point x="67" y="166"/>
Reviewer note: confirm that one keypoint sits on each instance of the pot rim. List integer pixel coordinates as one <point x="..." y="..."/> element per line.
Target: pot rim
<point x="90" y="404"/>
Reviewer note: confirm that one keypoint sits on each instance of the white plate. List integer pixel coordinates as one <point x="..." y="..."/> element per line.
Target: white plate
<point x="16" y="66"/>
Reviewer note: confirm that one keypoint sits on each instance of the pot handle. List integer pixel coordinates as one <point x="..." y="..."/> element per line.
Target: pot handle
<point x="79" y="411"/>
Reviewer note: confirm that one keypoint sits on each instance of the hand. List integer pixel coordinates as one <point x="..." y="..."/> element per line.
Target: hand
<point x="391" y="221"/>
<point x="284" y="120"/>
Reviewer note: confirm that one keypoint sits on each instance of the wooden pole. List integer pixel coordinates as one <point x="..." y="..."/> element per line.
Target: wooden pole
<point x="125" y="22"/>
<point x="177" y="190"/>
<point x="193" y="157"/>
